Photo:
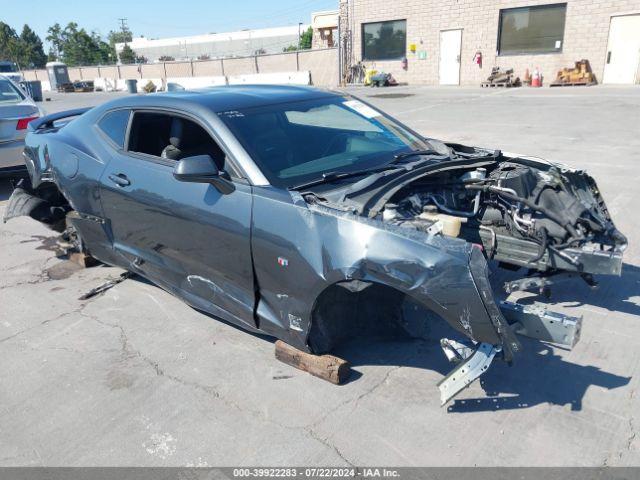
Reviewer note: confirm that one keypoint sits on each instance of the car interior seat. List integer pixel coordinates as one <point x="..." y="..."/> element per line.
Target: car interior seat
<point x="273" y="144"/>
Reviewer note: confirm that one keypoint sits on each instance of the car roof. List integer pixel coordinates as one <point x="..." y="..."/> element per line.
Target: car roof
<point x="229" y="97"/>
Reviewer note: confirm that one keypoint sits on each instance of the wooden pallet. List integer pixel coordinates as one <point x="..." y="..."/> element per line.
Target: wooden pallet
<point x="572" y="84"/>
<point x="492" y="85"/>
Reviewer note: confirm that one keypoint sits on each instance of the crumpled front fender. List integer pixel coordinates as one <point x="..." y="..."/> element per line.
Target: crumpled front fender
<point x="316" y="247"/>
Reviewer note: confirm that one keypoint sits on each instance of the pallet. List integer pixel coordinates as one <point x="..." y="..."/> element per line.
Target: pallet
<point x="572" y="84"/>
<point x="492" y="85"/>
<point x="327" y="367"/>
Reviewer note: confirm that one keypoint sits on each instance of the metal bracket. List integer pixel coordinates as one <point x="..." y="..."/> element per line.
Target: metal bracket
<point x="537" y="321"/>
<point x="466" y="372"/>
<point x="541" y="283"/>
<point x="455" y="351"/>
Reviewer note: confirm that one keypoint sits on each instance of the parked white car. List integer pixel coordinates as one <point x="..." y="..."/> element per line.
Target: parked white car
<point x="16" y="111"/>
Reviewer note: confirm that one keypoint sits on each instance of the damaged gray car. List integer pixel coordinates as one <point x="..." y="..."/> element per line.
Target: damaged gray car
<point x="313" y="217"/>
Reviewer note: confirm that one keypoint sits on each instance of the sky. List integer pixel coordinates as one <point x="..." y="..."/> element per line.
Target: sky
<point x="160" y="18"/>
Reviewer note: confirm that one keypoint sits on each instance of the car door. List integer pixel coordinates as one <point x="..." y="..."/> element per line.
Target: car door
<point x="187" y="237"/>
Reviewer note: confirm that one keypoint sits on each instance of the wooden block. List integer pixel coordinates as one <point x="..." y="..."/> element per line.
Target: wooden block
<point x="328" y="367"/>
<point x="82" y="259"/>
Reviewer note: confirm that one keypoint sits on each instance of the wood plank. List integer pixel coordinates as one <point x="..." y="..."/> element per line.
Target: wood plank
<point x="82" y="259"/>
<point x="328" y="367"/>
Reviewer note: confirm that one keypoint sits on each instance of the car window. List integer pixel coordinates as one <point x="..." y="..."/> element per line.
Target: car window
<point x="172" y="138"/>
<point x="296" y="142"/>
<point x="9" y="92"/>
<point x="114" y="125"/>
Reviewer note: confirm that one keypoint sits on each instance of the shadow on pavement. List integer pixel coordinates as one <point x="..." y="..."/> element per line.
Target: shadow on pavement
<point x="538" y="375"/>
<point x="613" y="293"/>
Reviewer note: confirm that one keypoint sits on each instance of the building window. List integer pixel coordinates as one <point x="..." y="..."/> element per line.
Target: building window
<point x="384" y="40"/>
<point x="538" y="29"/>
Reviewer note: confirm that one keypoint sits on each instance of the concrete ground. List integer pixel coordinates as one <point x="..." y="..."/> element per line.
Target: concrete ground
<point x="135" y="377"/>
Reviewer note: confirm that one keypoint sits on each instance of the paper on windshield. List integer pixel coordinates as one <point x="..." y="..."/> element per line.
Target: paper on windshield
<point x="361" y="108"/>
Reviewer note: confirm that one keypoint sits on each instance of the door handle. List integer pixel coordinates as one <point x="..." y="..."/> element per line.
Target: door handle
<point x="120" y="179"/>
<point x="608" y="57"/>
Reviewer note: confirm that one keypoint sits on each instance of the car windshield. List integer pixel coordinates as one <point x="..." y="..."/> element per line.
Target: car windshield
<point x="297" y="142"/>
<point x="9" y="92"/>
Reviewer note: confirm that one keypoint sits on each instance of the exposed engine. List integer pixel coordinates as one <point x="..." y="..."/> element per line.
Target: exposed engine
<point x="523" y="213"/>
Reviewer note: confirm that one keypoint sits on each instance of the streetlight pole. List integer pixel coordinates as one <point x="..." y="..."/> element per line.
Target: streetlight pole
<point x="299" y="25"/>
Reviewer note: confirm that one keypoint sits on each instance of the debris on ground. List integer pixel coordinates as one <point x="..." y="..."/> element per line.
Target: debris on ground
<point x="580" y="75"/>
<point x="382" y="79"/>
<point x="69" y="246"/>
<point x="327" y="367"/>
<point x="105" y="286"/>
<point x="150" y="87"/>
<point x="501" y="78"/>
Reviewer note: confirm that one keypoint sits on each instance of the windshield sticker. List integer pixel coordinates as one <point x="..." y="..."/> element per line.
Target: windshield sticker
<point x="231" y="114"/>
<point x="361" y="108"/>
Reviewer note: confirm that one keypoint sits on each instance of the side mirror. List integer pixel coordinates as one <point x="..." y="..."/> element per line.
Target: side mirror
<point x="202" y="169"/>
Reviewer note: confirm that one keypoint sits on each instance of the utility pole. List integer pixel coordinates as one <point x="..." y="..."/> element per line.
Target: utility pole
<point x="123" y="28"/>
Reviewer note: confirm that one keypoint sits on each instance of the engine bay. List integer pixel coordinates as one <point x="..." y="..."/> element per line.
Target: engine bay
<point x="524" y="213"/>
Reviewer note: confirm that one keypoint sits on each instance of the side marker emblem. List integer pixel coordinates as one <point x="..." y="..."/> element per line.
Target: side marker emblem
<point x="283" y="262"/>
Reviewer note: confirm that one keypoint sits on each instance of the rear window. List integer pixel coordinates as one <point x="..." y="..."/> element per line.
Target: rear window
<point x="9" y="92"/>
<point x="114" y="125"/>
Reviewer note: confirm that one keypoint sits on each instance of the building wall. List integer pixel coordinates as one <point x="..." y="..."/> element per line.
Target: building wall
<point x="585" y="35"/>
<point x="218" y="45"/>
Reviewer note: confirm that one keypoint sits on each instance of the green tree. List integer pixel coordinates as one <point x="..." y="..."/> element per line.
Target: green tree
<point x="306" y="38"/>
<point x="54" y="37"/>
<point x="127" y="55"/>
<point x="121" y="36"/>
<point x="31" y="52"/>
<point x="75" y="46"/>
<point x="9" y="43"/>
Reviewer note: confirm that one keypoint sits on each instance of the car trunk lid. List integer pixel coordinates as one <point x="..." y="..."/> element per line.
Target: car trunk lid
<point x="9" y="117"/>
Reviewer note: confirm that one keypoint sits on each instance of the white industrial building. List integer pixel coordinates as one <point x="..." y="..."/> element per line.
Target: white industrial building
<point x="217" y="45"/>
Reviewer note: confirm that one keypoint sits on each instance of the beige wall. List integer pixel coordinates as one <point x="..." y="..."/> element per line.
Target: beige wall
<point x="277" y="63"/>
<point x="323" y="65"/>
<point x="585" y="36"/>
<point x="239" y="66"/>
<point x="212" y="68"/>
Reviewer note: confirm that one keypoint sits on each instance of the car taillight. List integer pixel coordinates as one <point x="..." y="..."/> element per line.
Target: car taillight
<point x="23" y="122"/>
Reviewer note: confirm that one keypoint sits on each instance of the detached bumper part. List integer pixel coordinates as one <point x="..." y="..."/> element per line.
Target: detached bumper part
<point x="536" y="321"/>
<point x="466" y="372"/>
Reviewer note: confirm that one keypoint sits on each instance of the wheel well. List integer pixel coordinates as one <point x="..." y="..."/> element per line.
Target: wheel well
<point x="45" y="204"/>
<point x="351" y="309"/>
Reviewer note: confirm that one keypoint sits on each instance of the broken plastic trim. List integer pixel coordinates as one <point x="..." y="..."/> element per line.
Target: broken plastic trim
<point x="105" y="286"/>
<point x="537" y="321"/>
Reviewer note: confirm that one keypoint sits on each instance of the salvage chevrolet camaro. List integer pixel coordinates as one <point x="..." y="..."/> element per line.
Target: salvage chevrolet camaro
<point x="313" y="217"/>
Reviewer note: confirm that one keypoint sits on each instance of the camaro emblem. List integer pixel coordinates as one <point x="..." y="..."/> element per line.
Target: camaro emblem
<point x="283" y="262"/>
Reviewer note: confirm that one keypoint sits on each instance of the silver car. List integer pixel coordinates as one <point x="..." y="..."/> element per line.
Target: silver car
<point x="16" y="111"/>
